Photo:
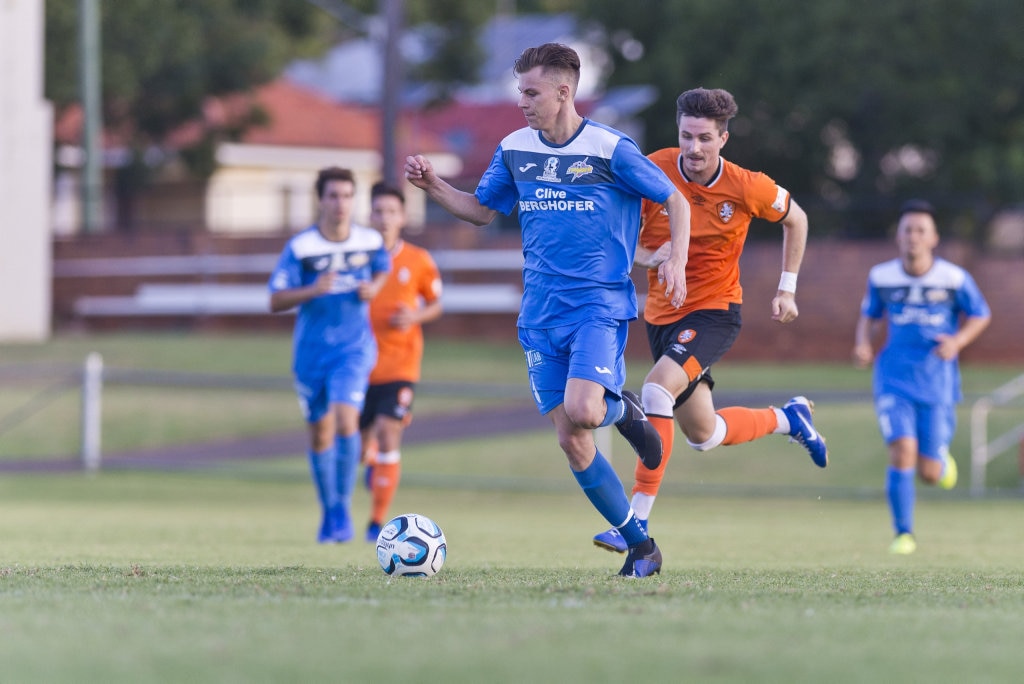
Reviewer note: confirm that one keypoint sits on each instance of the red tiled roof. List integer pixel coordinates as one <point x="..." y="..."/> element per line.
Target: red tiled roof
<point x="297" y="117"/>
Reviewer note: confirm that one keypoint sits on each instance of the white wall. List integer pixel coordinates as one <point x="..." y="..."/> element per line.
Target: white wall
<point x="26" y="126"/>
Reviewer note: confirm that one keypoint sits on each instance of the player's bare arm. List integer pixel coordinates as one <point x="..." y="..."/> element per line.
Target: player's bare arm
<point x="672" y="271"/>
<point x="651" y="258"/>
<point x="369" y="289"/>
<point x="863" y="351"/>
<point x="949" y="346"/>
<point x="405" y="317"/>
<point x="282" y="300"/>
<point x="420" y="172"/>
<point x="794" y="242"/>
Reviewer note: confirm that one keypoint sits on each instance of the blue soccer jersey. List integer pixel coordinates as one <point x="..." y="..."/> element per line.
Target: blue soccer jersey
<point x="579" y="211"/>
<point x="919" y="309"/>
<point x="333" y="325"/>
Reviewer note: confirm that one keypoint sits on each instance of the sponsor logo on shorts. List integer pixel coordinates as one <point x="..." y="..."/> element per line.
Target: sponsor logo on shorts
<point x="603" y="370"/>
<point x="686" y="336"/>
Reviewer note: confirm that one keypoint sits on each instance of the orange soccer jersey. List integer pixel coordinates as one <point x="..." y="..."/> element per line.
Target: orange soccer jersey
<point x="414" y="278"/>
<point x="720" y="214"/>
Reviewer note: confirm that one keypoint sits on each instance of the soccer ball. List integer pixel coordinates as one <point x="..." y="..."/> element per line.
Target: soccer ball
<point x="411" y="545"/>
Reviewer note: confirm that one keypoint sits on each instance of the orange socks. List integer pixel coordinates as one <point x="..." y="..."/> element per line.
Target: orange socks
<point x="383" y="485"/>
<point x="746" y="424"/>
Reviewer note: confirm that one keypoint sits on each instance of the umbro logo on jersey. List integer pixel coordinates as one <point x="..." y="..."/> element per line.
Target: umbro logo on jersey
<point x="603" y="370"/>
<point x="526" y="167"/>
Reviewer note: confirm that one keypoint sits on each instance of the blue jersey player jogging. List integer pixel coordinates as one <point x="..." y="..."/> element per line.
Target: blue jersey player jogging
<point x="577" y="186"/>
<point x="330" y="271"/>
<point x="933" y="309"/>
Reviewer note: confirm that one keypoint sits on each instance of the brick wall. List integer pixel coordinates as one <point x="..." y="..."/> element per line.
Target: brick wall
<point x="831" y="285"/>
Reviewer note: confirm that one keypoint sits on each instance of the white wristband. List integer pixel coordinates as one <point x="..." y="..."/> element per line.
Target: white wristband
<point x="787" y="283"/>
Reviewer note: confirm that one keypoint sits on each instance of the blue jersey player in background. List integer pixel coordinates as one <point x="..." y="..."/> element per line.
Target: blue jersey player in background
<point x="577" y="186"/>
<point x="934" y="309"/>
<point x="330" y="271"/>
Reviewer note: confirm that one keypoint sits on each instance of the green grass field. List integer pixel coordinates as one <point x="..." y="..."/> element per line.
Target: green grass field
<point x="775" y="570"/>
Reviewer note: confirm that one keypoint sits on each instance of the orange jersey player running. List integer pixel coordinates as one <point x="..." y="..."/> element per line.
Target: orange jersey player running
<point x="410" y="297"/>
<point x="685" y="341"/>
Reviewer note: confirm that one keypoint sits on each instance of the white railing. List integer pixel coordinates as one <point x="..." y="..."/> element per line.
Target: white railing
<point x="984" y="451"/>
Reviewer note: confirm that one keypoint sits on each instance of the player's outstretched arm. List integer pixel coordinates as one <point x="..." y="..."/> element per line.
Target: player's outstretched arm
<point x="794" y="243"/>
<point x="672" y="271"/>
<point x="420" y="172"/>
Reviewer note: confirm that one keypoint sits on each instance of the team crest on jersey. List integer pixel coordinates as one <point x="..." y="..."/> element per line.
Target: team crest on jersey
<point x="686" y="336"/>
<point x="580" y="168"/>
<point x="550" y="171"/>
<point x="357" y="259"/>
<point x="936" y="295"/>
<point x="403" y="275"/>
<point x="726" y="211"/>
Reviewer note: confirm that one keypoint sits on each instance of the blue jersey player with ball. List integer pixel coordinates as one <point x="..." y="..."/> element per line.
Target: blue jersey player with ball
<point x="934" y="309"/>
<point x="577" y="186"/>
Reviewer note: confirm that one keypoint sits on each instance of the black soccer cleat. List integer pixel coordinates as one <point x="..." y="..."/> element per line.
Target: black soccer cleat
<point x="639" y="432"/>
<point x="643" y="560"/>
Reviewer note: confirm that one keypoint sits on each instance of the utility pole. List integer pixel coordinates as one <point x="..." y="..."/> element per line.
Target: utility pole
<point x="391" y="91"/>
<point x="92" y="122"/>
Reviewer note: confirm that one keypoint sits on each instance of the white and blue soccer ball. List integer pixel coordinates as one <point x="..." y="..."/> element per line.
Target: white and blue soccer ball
<point x="411" y="545"/>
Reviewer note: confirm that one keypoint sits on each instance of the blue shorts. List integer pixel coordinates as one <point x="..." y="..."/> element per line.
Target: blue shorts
<point x="590" y="350"/>
<point x="344" y="383"/>
<point x="932" y="425"/>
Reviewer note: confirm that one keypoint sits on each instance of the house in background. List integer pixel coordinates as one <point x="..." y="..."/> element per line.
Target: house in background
<point x="263" y="183"/>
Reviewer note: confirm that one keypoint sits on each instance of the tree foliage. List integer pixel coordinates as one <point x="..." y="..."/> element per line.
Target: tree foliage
<point x="162" y="58"/>
<point x="852" y="106"/>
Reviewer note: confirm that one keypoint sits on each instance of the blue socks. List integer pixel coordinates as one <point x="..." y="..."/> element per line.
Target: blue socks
<point x="347" y="450"/>
<point x="899" y="489"/>
<point x="603" y="487"/>
<point x="323" y="468"/>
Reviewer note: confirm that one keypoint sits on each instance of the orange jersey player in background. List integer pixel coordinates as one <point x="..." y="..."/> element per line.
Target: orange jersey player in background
<point x="685" y="341"/>
<point x="410" y="297"/>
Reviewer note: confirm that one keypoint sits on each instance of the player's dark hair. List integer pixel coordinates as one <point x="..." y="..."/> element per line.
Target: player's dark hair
<point x="332" y="173"/>
<point x="917" y="206"/>
<point x="382" y="189"/>
<point x="704" y="103"/>
<point x="550" y="56"/>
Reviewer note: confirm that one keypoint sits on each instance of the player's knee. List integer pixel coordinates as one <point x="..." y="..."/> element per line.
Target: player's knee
<point x="657" y="400"/>
<point x="705" y="438"/>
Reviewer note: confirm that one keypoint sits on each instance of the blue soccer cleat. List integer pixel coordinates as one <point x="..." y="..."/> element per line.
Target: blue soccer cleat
<point x="372" y="532"/>
<point x="336" y="527"/>
<point x="611" y="540"/>
<point x="801" y="429"/>
<point x="643" y="560"/>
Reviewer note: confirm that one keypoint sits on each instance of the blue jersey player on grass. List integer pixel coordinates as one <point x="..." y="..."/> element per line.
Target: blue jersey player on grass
<point x="934" y="309"/>
<point x="330" y="271"/>
<point x="577" y="186"/>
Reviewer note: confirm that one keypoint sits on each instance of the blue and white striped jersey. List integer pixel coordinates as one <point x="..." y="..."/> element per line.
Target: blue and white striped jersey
<point x="579" y="211"/>
<point x="329" y="326"/>
<point x="919" y="309"/>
